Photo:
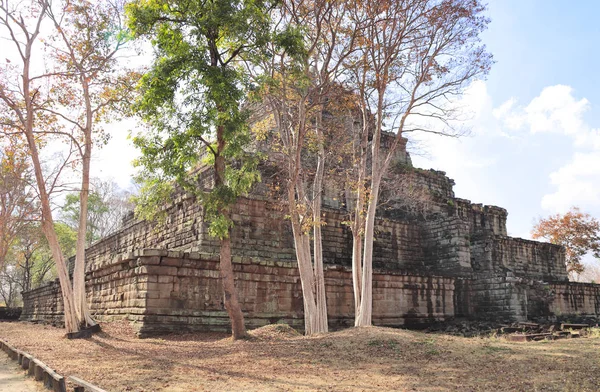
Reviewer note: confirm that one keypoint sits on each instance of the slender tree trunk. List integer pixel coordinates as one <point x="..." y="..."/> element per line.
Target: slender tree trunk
<point x="71" y="324"/>
<point x="357" y="244"/>
<point x="307" y="281"/>
<point x="358" y="225"/>
<point x="321" y="300"/>
<point x="366" y="303"/>
<point x="83" y="313"/>
<point x="356" y="273"/>
<point x="232" y="304"/>
<point x="81" y="306"/>
<point x="377" y="169"/>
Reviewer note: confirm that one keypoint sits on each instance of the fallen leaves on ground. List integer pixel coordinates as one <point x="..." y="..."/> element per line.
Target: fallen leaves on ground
<point x="276" y="358"/>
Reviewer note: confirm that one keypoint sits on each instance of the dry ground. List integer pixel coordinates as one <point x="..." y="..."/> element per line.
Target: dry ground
<point x="366" y="359"/>
<point x="13" y="378"/>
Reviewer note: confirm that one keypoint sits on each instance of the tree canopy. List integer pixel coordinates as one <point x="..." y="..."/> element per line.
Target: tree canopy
<point x="577" y="231"/>
<point x="191" y="100"/>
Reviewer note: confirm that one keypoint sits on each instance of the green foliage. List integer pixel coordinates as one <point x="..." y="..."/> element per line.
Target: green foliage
<point x="67" y="238"/>
<point x="192" y="97"/>
<point x="153" y="193"/>
<point x="29" y="262"/>
<point x="96" y="208"/>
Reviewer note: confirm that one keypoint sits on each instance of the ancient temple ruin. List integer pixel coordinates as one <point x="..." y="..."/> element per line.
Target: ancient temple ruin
<point x="452" y="259"/>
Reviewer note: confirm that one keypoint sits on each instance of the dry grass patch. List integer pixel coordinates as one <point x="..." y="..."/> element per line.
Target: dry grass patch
<point x="279" y="359"/>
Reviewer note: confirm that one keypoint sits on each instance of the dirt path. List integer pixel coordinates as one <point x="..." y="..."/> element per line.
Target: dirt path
<point x="13" y="379"/>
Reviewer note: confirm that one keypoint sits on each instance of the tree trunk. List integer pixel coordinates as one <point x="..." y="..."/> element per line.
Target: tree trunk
<point x="321" y="299"/>
<point x="358" y="224"/>
<point x="83" y="313"/>
<point x="377" y="169"/>
<point x="71" y="321"/>
<point x="232" y="305"/>
<point x="81" y="307"/>
<point x="71" y="324"/>
<point x="320" y="291"/>
<point x="366" y="303"/>
<point x="356" y="273"/>
<point x="307" y="281"/>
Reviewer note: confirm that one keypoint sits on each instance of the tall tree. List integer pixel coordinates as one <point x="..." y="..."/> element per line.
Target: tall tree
<point x="414" y="56"/>
<point x="29" y="262"/>
<point x="62" y="97"/>
<point x="301" y="82"/>
<point x="192" y="99"/>
<point x="91" y="35"/>
<point x="577" y="231"/>
<point x="22" y="114"/>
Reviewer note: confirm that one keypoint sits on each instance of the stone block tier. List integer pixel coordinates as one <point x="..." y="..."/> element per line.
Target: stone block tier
<point x="437" y="258"/>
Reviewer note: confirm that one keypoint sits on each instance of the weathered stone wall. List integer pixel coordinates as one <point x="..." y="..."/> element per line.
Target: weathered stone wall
<point x="437" y="256"/>
<point x="261" y="232"/>
<point x="499" y="298"/>
<point x="522" y="258"/>
<point x="162" y="291"/>
<point x="480" y="218"/>
<point x="447" y="246"/>
<point x="113" y="288"/>
<point x="569" y="301"/>
<point x="43" y="304"/>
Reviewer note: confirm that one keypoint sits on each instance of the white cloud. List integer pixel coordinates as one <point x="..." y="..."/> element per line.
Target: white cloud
<point x="556" y="110"/>
<point x="577" y="183"/>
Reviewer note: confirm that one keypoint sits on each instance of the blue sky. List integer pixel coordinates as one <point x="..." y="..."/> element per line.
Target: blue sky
<point x="534" y="146"/>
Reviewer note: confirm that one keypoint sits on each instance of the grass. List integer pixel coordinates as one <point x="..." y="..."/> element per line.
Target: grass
<point x="278" y="359"/>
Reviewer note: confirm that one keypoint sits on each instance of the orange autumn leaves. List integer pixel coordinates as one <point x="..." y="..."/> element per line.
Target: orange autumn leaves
<point x="577" y="231"/>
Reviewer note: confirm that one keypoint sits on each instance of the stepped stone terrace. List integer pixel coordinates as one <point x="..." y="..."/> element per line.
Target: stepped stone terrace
<point x="452" y="259"/>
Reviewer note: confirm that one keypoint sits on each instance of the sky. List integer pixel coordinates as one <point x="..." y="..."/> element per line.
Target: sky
<point x="534" y="143"/>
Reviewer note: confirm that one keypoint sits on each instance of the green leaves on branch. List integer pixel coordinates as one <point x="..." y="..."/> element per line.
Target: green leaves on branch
<point x="192" y="98"/>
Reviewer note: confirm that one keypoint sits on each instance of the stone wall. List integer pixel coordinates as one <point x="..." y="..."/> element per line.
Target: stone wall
<point x="437" y="257"/>
<point x="162" y="291"/>
<point x="447" y="246"/>
<point x="564" y="301"/>
<point x="497" y="298"/>
<point x="44" y="304"/>
<point x="480" y="218"/>
<point x="261" y="233"/>
<point x="522" y="258"/>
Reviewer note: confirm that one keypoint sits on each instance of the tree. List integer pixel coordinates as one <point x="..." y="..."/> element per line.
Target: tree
<point x="29" y="262"/>
<point x="91" y="35"/>
<point x="300" y="83"/>
<point x="9" y="285"/>
<point x="17" y="201"/>
<point x="591" y="274"/>
<point x="22" y="113"/>
<point x="191" y="100"/>
<point x="64" y="101"/>
<point x="414" y="56"/>
<point x="577" y="231"/>
<point x="107" y="204"/>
